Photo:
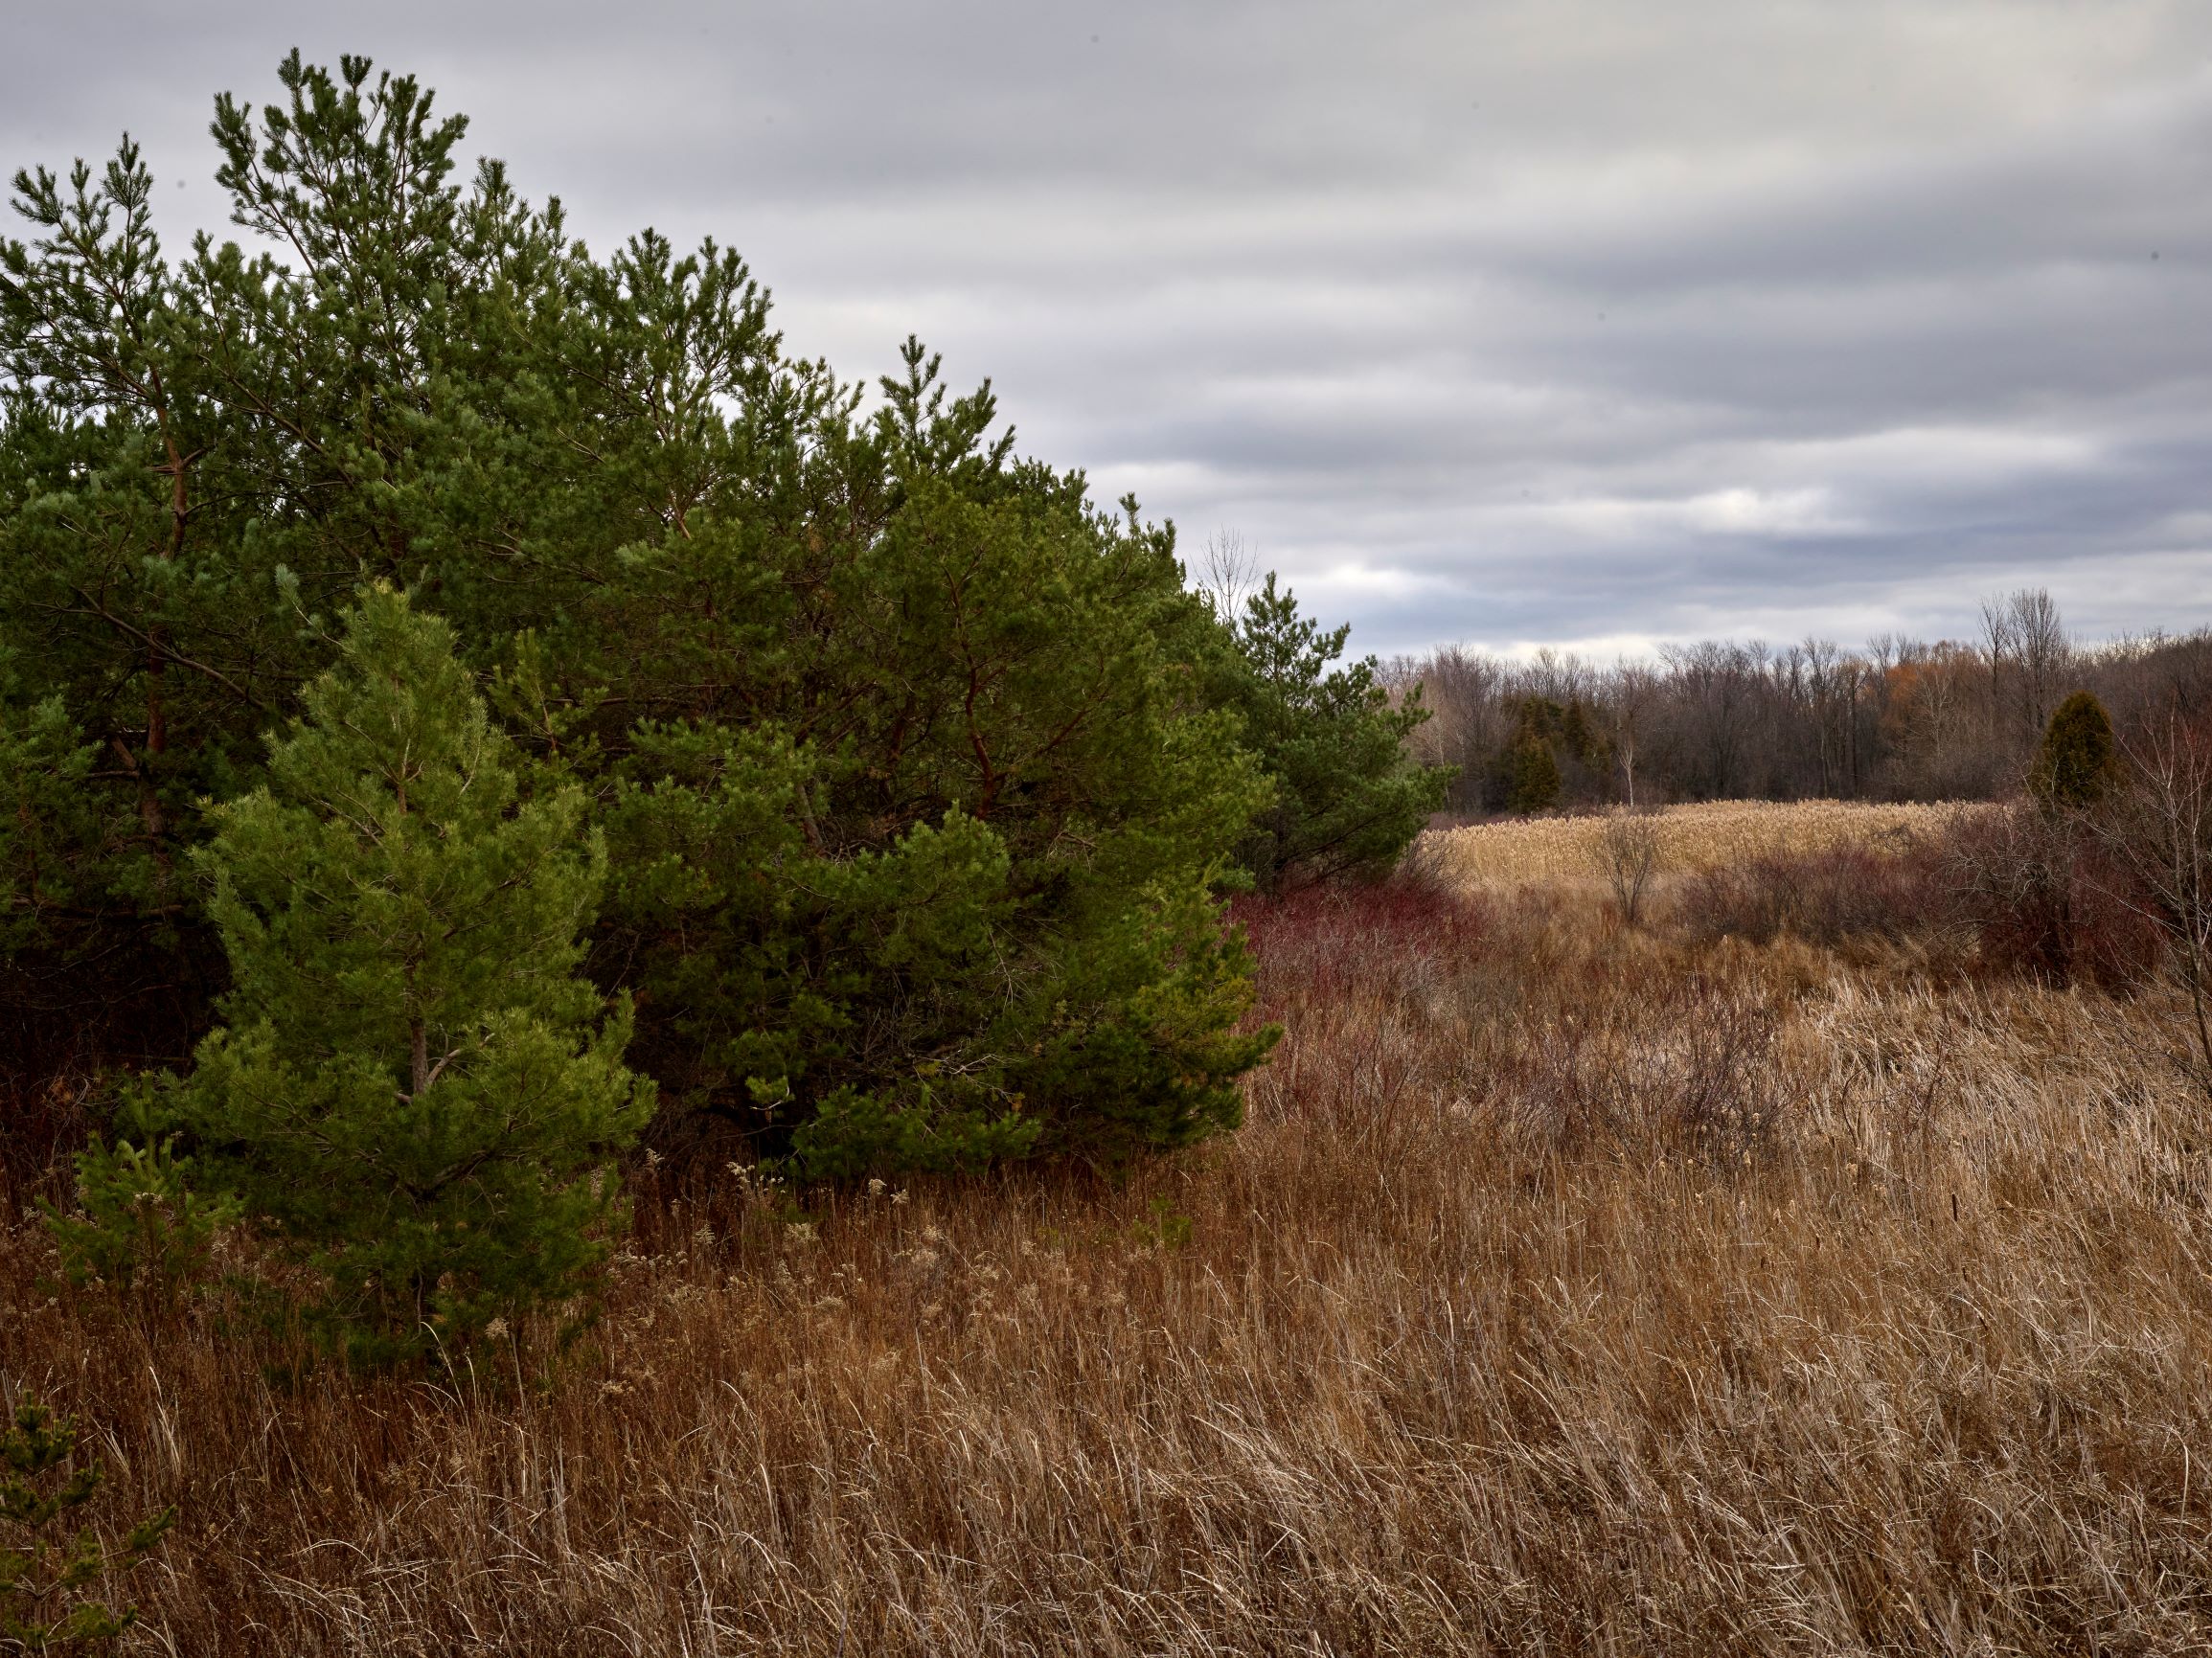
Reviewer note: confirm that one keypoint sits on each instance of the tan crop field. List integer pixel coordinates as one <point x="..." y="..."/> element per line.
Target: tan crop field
<point x="1708" y="835"/>
<point x="1571" y="1289"/>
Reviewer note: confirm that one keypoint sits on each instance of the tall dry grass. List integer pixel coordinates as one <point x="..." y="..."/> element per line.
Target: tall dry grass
<point x="1714" y="834"/>
<point x="1570" y="1291"/>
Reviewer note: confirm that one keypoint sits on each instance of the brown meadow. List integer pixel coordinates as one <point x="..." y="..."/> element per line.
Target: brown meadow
<point x="1570" y="1289"/>
<point x="1711" y="834"/>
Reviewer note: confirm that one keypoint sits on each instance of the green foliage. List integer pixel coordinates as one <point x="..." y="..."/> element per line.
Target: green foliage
<point x="1548" y="739"/>
<point x="412" y="1088"/>
<point x="47" y="837"/>
<point x="139" y="1226"/>
<point x="1532" y="776"/>
<point x="1165" y="1227"/>
<point x="2078" y="761"/>
<point x="1579" y="734"/>
<point x="89" y="957"/>
<point x="963" y="916"/>
<point x="46" y="1572"/>
<point x="1349" y="799"/>
<point x="919" y="775"/>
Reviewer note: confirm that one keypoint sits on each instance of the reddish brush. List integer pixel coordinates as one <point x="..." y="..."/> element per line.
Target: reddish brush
<point x="1824" y="897"/>
<point x="2047" y="898"/>
<point x="1331" y="940"/>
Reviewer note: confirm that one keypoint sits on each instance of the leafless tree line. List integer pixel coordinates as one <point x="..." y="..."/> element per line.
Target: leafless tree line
<point x="1898" y="719"/>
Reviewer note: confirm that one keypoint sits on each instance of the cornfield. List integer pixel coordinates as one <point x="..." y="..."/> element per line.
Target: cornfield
<point x="1712" y="835"/>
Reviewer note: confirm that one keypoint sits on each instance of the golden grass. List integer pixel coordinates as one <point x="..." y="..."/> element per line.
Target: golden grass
<point x="1569" y="1291"/>
<point x="1690" y="837"/>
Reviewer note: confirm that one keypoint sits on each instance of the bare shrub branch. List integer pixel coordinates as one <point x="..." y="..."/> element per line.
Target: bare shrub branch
<point x="1627" y="853"/>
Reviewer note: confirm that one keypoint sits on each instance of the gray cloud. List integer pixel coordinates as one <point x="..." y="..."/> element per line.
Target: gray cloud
<point x="1587" y="321"/>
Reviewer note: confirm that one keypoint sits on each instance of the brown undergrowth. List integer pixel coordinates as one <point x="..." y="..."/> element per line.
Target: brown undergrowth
<point x="1571" y="1289"/>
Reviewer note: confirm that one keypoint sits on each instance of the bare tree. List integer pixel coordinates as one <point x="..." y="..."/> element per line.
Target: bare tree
<point x="1228" y="573"/>
<point x="1898" y="718"/>
<point x="1823" y="666"/>
<point x="1999" y="644"/>
<point x="1627" y="853"/>
<point x="1468" y="725"/>
<point x="2161" y="833"/>
<point x="1556" y="676"/>
<point x="1635" y="692"/>
<point x="2040" y="640"/>
<point x="2028" y="653"/>
<point x="1716" y="680"/>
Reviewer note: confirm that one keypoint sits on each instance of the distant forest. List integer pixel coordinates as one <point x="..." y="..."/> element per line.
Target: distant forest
<point x="1897" y="719"/>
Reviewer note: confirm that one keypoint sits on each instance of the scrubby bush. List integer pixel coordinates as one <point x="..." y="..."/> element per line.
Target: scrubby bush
<point x="2043" y="899"/>
<point x="1334" y="941"/>
<point x="138" y="1226"/>
<point x="2156" y="836"/>
<point x="2020" y="888"/>
<point x="1826" y="897"/>
<point x="1627" y="855"/>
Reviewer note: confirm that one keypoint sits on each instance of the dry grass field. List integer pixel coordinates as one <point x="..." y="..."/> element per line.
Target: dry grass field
<point x="1710" y="836"/>
<point x="1571" y="1289"/>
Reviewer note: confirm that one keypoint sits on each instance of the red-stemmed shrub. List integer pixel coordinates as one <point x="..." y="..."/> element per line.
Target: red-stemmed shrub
<point x="2045" y="899"/>
<point x="1332" y="940"/>
<point x="1826" y="897"/>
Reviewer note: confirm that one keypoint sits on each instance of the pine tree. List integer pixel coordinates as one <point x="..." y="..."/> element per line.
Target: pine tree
<point x="49" y="1580"/>
<point x="1348" y="796"/>
<point x="50" y="826"/>
<point x="918" y="789"/>
<point x="1531" y="770"/>
<point x="140" y="1226"/>
<point x="1532" y="776"/>
<point x="2079" y="760"/>
<point x="413" y="1090"/>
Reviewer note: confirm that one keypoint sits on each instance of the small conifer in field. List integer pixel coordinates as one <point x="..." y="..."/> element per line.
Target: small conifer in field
<point x="413" y="1090"/>
<point x="48" y="1575"/>
<point x="2079" y="760"/>
<point x="1348" y="797"/>
<point x="139" y="1225"/>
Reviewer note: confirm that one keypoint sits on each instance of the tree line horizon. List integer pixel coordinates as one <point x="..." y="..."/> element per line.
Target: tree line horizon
<point x="1901" y="718"/>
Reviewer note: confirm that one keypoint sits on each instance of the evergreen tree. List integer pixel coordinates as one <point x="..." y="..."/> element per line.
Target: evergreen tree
<point x="1585" y="743"/>
<point x="50" y="1578"/>
<point x="413" y="1089"/>
<point x="1532" y="776"/>
<point x="140" y="1227"/>
<point x="921" y="772"/>
<point x="951" y="903"/>
<point x="51" y="828"/>
<point x="2078" y="761"/>
<point x="1348" y="797"/>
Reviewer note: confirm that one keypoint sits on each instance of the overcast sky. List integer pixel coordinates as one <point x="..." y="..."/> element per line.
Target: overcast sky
<point x="1592" y="324"/>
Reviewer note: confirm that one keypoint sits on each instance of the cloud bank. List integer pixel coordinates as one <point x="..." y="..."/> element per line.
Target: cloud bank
<point x="1499" y="323"/>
